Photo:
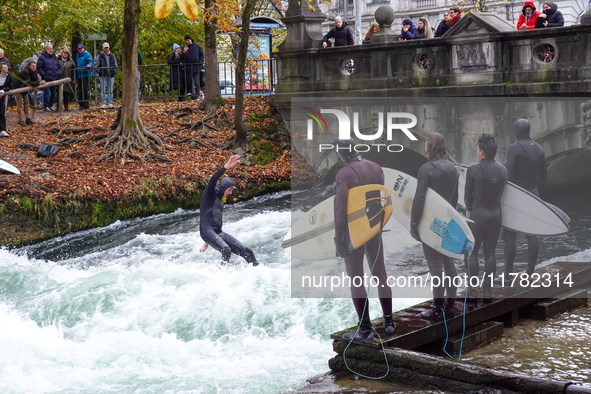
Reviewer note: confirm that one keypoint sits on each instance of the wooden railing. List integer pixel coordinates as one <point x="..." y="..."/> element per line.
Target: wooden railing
<point x="59" y="82"/>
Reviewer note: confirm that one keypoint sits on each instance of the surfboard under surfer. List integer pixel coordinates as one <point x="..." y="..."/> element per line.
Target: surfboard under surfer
<point x="357" y="172"/>
<point x="212" y="209"/>
<point x="442" y="176"/>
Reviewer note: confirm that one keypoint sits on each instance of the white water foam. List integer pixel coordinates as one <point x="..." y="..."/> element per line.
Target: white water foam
<point x="155" y="315"/>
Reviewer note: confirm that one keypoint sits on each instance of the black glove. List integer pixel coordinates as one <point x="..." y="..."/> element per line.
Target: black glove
<point x="341" y="249"/>
<point x="414" y="232"/>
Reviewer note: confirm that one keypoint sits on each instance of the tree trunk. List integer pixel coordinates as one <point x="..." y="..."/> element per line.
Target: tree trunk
<point x="240" y="137"/>
<point x="212" y="99"/>
<point x="131" y="138"/>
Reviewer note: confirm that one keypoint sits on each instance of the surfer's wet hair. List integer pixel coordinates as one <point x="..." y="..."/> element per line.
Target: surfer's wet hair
<point x="436" y="147"/>
<point x="488" y="145"/>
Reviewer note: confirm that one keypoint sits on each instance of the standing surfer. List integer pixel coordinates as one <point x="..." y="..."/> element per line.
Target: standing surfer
<point x="485" y="183"/>
<point x="211" y="210"/>
<point x="442" y="176"/>
<point x="358" y="172"/>
<point x="526" y="166"/>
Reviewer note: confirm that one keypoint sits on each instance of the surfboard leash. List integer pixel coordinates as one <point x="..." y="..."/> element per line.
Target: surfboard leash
<point x="365" y="305"/>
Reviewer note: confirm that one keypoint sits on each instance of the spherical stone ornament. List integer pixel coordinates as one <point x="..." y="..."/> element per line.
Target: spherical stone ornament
<point x="384" y="15"/>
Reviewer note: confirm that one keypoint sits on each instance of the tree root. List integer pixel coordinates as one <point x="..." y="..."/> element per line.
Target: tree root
<point x="128" y="140"/>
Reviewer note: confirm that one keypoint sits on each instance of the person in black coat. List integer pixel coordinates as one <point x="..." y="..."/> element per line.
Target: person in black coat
<point x="550" y="17"/>
<point x="177" y="72"/>
<point x="341" y="33"/>
<point x="49" y="68"/>
<point x="193" y="58"/>
<point x="444" y="25"/>
<point x="5" y="86"/>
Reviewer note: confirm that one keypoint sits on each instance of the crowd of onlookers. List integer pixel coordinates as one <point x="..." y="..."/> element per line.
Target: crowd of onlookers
<point x="529" y="18"/>
<point x="186" y="76"/>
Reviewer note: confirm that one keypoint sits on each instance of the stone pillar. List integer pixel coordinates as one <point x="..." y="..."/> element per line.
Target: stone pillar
<point x="586" y="18"/>
<point x="303" y="20"/>
<point x="384" y="16"/>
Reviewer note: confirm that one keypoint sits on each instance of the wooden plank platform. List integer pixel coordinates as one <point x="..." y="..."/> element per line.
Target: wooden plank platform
<point x="412" y="331"/>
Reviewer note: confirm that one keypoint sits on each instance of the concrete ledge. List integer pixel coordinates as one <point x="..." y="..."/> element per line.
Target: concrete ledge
<point x="435" y="372"/>
<point x="551" y="307"/>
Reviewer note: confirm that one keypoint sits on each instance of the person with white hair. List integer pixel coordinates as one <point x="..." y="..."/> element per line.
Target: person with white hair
<point x="4" y="59"/>
<point x="106" y="67"/>
<point x="341" y="33"/>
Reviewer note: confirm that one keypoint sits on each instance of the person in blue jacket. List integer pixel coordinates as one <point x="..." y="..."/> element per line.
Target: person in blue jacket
<point x="193" y="59"/>
<point x="409" y="29"/>
<point x="83" y="64"/>
<point x="49" y="69"/>
<point x="211" y="211"/>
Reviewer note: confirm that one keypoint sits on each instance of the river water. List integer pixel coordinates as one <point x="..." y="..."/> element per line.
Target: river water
<point x="136" y="308"/>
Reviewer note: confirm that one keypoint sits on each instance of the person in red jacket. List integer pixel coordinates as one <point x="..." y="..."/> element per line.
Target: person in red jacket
<point x="529" y="14"/>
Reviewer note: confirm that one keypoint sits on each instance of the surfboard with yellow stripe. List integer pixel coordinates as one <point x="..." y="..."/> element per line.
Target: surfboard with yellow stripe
<point x="369" y="207"/>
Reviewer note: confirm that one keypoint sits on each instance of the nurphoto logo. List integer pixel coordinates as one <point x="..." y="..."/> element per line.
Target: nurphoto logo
<point x="344" y="129"/>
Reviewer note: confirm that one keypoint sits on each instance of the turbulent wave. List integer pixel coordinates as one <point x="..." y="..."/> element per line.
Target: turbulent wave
<point x="136" y="308"/>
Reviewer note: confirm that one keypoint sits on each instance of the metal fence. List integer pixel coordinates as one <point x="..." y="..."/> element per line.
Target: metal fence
<point x="171" y="82"/>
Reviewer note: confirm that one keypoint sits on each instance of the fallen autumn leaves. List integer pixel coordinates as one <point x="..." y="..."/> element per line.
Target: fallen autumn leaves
<point x="74" y="175"/>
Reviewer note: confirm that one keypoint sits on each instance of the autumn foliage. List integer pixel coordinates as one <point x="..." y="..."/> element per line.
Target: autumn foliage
<point x="191" y="145"/>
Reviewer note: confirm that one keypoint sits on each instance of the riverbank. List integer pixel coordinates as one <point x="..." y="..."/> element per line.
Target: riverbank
<point x="71" y="191"/>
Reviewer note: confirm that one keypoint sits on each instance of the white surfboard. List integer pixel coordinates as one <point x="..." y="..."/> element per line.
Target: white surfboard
<point x="523" y="211"/>
<point x="312" y="236"/>
<point x="9" y="167"/>
<point x="441" y="227"/>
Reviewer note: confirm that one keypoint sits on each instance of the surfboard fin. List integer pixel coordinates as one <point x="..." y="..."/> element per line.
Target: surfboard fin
<point x="453" y="237"/>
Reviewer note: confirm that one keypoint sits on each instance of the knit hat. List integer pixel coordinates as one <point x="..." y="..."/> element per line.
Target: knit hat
<point x="407" y="22"/>
<point x="175" y="47"/>
<point x="188" y="37"/>
<point x="80" y="45"/>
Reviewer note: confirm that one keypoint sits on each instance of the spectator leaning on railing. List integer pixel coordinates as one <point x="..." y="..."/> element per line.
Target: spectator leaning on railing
<point x="341" y="33"/>
<point x="27" y="77"/>
<point x="529" y="14"/>
<point x="49" y="69"/>
<point x="373" y="29"/>
<point x="5" y="86"/>
<point x="105" y="65"/>
<point x="424" y="29"/>
<point x="409" y="29"/>
<point x="444" y="25"/>
<point x="3" y="59"/>
<point x="551" y="17"/>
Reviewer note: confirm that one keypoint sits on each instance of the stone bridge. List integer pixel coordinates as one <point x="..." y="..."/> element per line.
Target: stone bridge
<point x="480" y="77"/>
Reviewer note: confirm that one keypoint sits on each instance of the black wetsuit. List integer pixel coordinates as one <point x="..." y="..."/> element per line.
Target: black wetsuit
<point x="526" y="166"/>
<point x="357" y="173"/>
<point x="210" y="226"/>
<point x="441" y="176"/>
<point x="485" y="183"/>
